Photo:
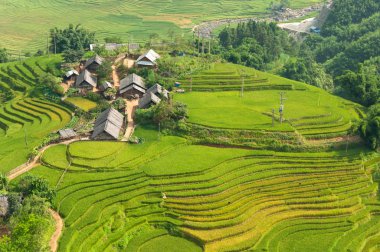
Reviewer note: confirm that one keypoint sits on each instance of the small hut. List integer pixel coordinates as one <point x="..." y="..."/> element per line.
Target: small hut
<point x="93" y="63"/>
<point x="148" y="100"/>
<point x="85" y="81"/>
<point x="104" y="86"/>
<point x="159" y="91"/>
<point x="108" y="125"/>
<point x="148" y="59"/>
<point x="66" y="134"/>
<point x="131" y="86"/>
<point x="71" y="75"/>
<point x="4" y="205"/>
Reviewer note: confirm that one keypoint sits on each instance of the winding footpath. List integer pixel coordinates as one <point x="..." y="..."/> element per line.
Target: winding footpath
<point x="27" y="167"/>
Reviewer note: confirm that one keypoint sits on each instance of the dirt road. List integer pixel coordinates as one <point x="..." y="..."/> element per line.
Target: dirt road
<point x="58" y="230"/>
<point x="130" y="111"/>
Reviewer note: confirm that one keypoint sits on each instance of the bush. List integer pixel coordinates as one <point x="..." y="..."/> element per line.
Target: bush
<point x="32" y="185"/>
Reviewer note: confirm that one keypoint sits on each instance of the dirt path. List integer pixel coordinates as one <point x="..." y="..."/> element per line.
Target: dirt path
<point x="27" y="167"/>
<point x="58" y="230"/>
<point x="130" y="111"/>
<point x="115" y="77"/>
<point x="35" y="162"/>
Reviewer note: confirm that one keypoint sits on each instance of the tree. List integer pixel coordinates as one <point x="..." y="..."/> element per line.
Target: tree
<point x="3" y="182"/>
<point x="369" y="128"/>
<point x="114" y="39"/>
<point x="32" y="185"/>
<point x="71" y="55"/>
<point x="75" y="38"/>
<point x="4" y="56"/>
<point x="47" y="80"/>
<point x="363" y="85"/>
<point x="104" y="71"/>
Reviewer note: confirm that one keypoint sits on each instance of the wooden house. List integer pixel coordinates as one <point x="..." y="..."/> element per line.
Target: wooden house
<point x="108" y="125"/>
<point x="104" y="86"/>
<point x="148" y="59"/>
<point x="93" y="63"/>
<point x="66" y="134"/>
<point x="71" y="75"/>
<point x="86" y="81"/>
<point x="159" y="91"/>
<point x="132" y="86"/>
<point x="149" y="99"/>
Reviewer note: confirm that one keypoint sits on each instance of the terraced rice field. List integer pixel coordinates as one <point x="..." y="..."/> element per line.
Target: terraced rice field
<point x="25" y="24"/>
<point x="216" y="101"/>
<point x="121" y="197"/>
<point x="24" y="122"/>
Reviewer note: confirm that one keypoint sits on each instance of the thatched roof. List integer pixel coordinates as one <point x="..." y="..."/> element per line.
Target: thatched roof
<point x="132" y="81"/>
<point x="85" y="76"/>
<point x="148" y="99"/>
<point x="109" y="121"/>
<point x="95" y="59"/>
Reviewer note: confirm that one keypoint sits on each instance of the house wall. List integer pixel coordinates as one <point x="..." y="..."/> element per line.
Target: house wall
<point x="132" y="92"/>
<point x="104" y="136"/>
<point x="93" y="67"/>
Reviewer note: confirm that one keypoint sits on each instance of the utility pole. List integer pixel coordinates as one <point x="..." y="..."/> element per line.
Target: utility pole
<point x="209" y="46"/>
<point x="191" y="83"/>
<point x="242" y="83"/>
<point x="159" y="131"/>
<point x="26" y="141"/>
<point x="198" y="40"/>
<point x="203" y="44"/>
<point x="194" y="44"/>
<point x="281" y="110"/>
<point x="47" y="45"/>
<point x="55" y="44"/>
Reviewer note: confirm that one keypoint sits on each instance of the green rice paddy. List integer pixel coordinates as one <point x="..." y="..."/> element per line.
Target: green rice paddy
<point x="173" y="195"/>
<point x="81" y="103"/>
<point x="24" y="122"/>
<point x="234" y="199"/>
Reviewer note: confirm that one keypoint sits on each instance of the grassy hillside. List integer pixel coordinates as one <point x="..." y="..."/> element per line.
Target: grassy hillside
<point x="310" y="111"/>
<point x="25" y="24"/>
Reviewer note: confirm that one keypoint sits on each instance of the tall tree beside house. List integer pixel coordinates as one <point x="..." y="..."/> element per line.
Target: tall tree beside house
<point x="74" y="37"/>
<point x="71" y="55"/>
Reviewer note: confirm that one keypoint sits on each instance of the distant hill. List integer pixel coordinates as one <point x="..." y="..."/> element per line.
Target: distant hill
<point x="24" y="24"/>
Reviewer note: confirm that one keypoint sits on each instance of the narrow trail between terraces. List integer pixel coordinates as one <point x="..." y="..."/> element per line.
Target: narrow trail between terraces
<point x="27" y="167"/>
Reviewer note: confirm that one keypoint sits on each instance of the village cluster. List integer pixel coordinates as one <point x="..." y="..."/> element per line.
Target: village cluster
<point x="111" y="123"/>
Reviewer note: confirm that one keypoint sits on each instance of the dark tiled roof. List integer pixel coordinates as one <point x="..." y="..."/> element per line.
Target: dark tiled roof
<point x="151" y="55"/>
<point x="105" y="85"/>
<point x="148" y="99"/>
<point x="157" y="89"/>
<point x="67" y="133"/>
<point x="110" y="121"/>
<point x="85" y="76"/>
<point x="95" y="59"/>
<point x="132" y="79"/>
